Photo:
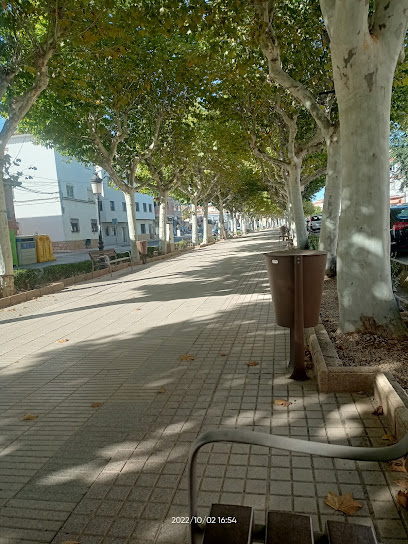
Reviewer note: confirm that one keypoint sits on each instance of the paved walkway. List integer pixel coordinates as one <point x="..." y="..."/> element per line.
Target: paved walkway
<point x="115" y="474"/>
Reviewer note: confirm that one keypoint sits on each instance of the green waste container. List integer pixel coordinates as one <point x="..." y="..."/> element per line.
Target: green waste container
<point x="13" y="247"/>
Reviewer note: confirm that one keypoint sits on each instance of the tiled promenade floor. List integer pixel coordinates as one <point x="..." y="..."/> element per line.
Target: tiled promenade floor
<point x="115" y="474"/>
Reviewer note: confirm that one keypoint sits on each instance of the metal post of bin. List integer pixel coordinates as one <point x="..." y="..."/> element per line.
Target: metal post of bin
<point x="296" y="281"/>
<point x="297" y="344"/>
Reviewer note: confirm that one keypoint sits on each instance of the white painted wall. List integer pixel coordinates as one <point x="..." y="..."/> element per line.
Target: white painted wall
<point x="49" y="210"/>
<point x="37" y="202"/>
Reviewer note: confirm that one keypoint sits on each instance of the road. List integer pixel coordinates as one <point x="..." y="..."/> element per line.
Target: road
<point x="65" y="257"/>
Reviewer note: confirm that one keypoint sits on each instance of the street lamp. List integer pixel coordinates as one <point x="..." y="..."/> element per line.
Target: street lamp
<point x="97" y="189"/>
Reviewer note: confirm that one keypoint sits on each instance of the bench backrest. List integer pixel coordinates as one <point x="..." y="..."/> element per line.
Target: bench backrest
<point x="97" y="254"/>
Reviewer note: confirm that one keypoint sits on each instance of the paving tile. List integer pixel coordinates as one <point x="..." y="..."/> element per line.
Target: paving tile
<point x="117" y="474"/>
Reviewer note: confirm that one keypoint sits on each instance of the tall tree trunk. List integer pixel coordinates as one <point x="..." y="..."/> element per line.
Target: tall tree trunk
<point x="364" y="56"/>
<point x="221" y="227"/>
<point x="331" y="206"/>
<point x="296" y="203"/>
<point x="163" y="222"/>
<point x="205" y="223"/>
<point x="6" y="257"/>
<point x="132" y="224"/>
<point x="243" y="224"/>
<point x="234" y="223"/>
<point x="194" y="225"/>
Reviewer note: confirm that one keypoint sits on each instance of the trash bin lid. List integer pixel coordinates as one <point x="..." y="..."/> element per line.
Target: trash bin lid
<point x="295" y="252"/>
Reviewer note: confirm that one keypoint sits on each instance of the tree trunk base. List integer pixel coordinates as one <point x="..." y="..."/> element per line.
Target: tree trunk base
<point x="6" y="285"/>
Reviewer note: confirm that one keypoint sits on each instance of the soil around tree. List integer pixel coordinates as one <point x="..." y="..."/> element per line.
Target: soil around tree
<point x="356" y="349"/>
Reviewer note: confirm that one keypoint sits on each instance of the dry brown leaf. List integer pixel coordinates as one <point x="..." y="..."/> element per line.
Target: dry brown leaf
<point x="389" y="437"/>
<point x="187" y="358"/>
<point x="282" y="402"/>
<point x="345" y="503"/>
<point x="162" y="391"/>
<point x="379" y="411"/>
<point x="28" y="417"/>
<point x="71" y="542"/>
<point x="402" y="499"/>
<point x="403" y="483"/>
<point x="96" y="404"/>
<point x="252" y="363"/>
<point x="62" y="341"/>
<point x="223" y="354"/>
<point x="399" y="465"/>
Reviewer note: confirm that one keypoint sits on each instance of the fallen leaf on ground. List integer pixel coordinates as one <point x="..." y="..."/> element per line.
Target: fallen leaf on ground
<point x="137" y="309"/>
<point x="28" y="416"/>
<point x="252" y="363"/>
<point x="62" y="341"/>
<point x="399" y="465"/>
<point x="402" y="499"/>
<point x="389" y="438"/>
<point x="187" y="358"/>
<point x="282" y="402"/>
<point x="378" y="411"/>
<point x="344" y="503"/>
<point x="162" y="391"/>
<point x="71" y="542"/>
<point x="96" y="404"/>
<point x="223" y="354"/>
<point x="403" y="483"/>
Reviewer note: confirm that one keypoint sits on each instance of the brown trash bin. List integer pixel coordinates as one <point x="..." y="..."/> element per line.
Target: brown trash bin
<point x="296" y="280"/>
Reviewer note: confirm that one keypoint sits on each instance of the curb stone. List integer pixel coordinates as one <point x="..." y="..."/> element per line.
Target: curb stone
<point x="334" y="378"/>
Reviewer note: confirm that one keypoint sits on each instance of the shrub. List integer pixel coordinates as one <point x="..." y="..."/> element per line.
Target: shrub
<point x="313" y="241"/>
<point x="396" y="269"/>
<point x="26" y="279"/>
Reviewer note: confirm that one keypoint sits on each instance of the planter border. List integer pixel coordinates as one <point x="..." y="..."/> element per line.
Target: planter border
<point x="334" y="378"/>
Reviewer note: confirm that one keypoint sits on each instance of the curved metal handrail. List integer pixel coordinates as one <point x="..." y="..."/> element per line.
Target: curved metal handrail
<point x="388" y="453"/>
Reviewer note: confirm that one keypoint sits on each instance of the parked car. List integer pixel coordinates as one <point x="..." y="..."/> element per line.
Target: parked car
<point x="399" y="228"/>
<point x="315" y="223"/>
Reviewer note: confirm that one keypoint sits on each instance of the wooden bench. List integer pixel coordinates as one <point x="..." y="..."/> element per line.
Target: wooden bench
<point x="107" y="258"/>
<point x="231" y="524"/>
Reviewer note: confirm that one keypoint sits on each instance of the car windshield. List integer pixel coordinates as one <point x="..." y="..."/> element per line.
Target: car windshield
<point x="398" y="214"/>
<point x="316" y="217"/>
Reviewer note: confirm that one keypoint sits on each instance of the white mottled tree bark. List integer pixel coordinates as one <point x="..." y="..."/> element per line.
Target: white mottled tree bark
<point x="6" y="257"/>
<point x="132" y="223"/>
<point x="163" y="222"/>
<point x="194" y="225"/>
<point x="365" y="49"/>
<point x="221" y="226"/>
<point x="331" y="206"/>
<point x="205" y="223"/>
<point x="296" y="204"/>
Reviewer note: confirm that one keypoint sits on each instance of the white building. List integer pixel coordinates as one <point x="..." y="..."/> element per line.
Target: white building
<point x="56" y="199"/>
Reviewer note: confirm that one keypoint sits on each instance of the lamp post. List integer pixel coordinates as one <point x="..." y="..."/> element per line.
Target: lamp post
<point x="97" y="189"/>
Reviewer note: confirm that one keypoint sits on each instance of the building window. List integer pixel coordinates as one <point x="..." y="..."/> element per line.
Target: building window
<point x="94" y="225"/>
<point x="137" y="206"/>
<point x="143" y="228"/>
<point x="70" y="191"/>
<point x="112" y="205"/>
<point x="74" y="225"/>
<point x="113" y="231"/>
<point x="123" y="206"/>
<point x="100" y="205"/>
<point x="150" y="208"/>
<point x="107" y="231"/>
<point x="144" y="207"/>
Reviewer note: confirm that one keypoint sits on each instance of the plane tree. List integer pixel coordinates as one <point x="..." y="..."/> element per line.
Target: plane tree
<point x="32" y="33"/>
<point x="119" y="103"/>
